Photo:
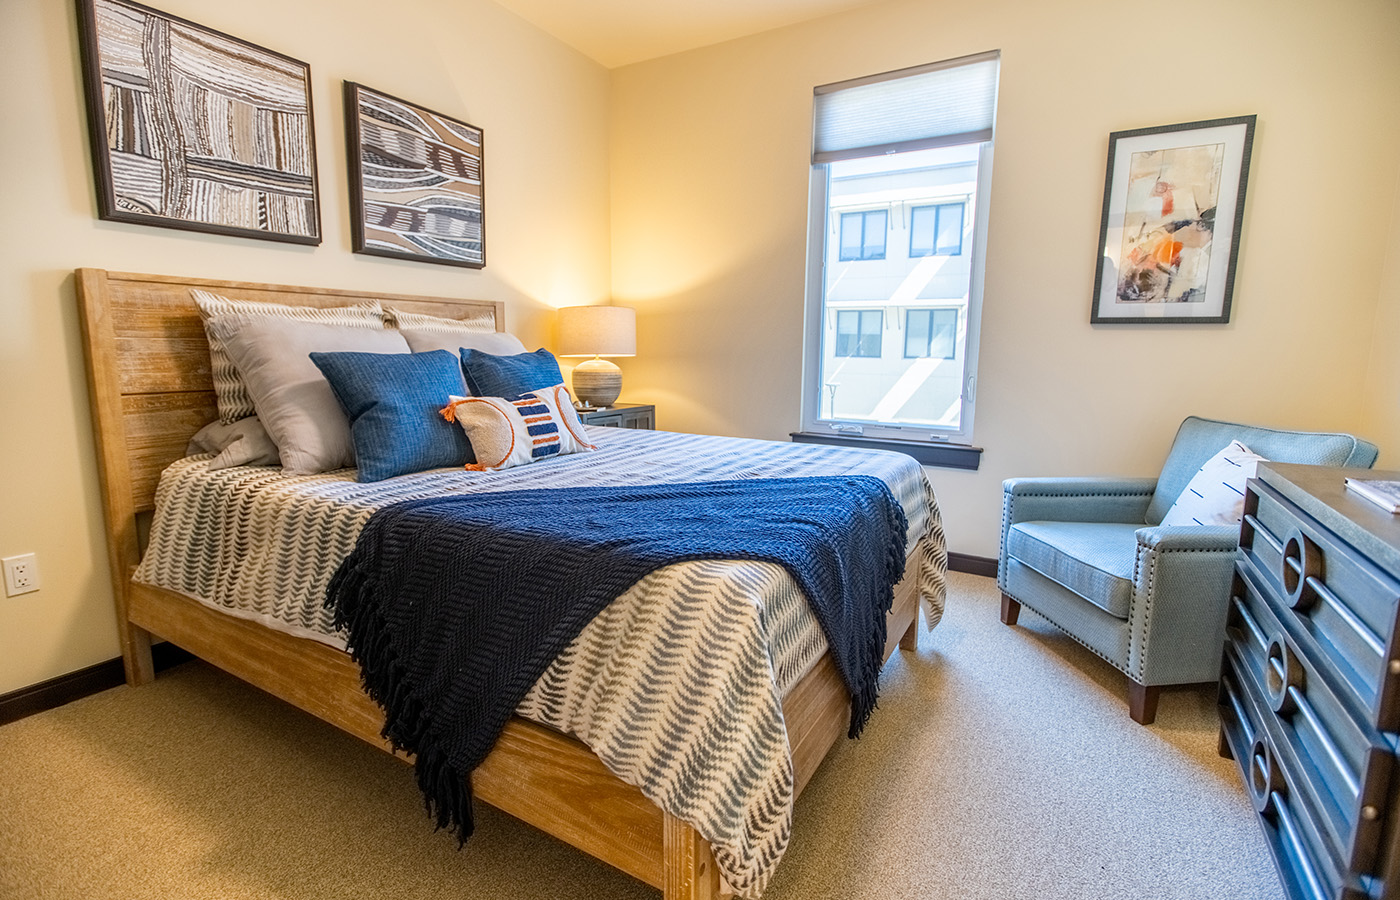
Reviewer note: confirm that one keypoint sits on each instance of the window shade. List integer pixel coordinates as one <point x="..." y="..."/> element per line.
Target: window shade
<point x="937" y="105"/>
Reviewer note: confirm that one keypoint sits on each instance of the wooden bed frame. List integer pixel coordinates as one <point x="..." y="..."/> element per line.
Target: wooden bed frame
<point x="149" y="380"/>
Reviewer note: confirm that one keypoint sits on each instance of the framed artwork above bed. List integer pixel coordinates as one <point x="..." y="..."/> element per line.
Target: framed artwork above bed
<point x="194" y="129"/>
<point x="416" y="183"/>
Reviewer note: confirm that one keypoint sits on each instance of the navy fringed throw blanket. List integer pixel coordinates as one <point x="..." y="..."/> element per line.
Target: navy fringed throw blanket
<point x="455" y="606"/>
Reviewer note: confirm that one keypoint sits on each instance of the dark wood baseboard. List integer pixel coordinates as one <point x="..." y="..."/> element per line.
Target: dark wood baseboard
<point x="972" y="565"/>
<point x="76" y="685"/>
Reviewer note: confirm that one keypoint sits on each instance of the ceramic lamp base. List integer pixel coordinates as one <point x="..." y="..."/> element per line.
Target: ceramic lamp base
<point x="597" y="382"/>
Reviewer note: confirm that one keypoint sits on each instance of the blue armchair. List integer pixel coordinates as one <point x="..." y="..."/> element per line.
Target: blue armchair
<point x="1090" y="555"/>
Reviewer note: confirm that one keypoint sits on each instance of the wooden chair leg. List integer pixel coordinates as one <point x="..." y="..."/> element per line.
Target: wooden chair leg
<point x="1010" y="610"/>
<point x="1142" y="702"/>
<point x="690" y="873"/>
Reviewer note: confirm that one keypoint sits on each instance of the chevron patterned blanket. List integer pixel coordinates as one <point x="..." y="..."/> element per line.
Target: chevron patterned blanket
<point x="254" y="543"/>
<point x="455" y="606"/>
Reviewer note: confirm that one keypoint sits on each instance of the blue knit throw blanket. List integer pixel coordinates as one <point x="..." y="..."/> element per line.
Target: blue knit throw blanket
<point x="455" y="606"/>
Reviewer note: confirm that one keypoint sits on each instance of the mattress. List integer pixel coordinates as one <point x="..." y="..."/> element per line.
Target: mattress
<point x="258" y="544"/>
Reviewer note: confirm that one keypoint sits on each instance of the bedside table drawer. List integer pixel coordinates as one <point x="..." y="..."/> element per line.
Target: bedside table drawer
<point x="1341" y="600"/>
<point x="1342" y="765"/>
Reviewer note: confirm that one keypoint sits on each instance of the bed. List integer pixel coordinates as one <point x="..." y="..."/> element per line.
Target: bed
<point x="151" y="390"/>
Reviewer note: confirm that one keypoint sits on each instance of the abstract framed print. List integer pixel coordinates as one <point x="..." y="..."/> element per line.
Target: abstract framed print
<point x="197" y="130"/>
<point x="416" y="186"/>
<point x="1173" y="207"/>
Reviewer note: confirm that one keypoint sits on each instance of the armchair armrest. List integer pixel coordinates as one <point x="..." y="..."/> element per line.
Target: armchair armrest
<point x="1076" y="499"/>
<point x="1180" y="594"/>
<point x="1190" y="537"/>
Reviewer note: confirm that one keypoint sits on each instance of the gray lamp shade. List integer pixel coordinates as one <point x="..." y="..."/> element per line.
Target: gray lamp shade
<point x="597" y="331"/>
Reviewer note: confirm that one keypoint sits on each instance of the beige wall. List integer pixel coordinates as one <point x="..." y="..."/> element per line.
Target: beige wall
<point x="1383" y="379"/>
<point x="709" y="187"/>
<point x="705" y="157"/>
<point x="543" y="108"/>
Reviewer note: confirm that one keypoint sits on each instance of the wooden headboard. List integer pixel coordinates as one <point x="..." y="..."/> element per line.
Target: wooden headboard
<point x="149" y="382"/>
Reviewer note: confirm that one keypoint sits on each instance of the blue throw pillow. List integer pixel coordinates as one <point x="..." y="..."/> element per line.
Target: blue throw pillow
<point x="393" y="401"/>
<point x="510" y="376"/>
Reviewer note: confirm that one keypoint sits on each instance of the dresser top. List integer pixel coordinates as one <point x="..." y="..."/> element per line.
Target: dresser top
<point x="1321" y="492"/>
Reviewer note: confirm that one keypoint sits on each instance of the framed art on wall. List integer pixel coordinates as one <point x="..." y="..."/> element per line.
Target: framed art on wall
<point x="197" y="130"/>
<point x="416" y="185"/>
<point x="1173" y="207"/>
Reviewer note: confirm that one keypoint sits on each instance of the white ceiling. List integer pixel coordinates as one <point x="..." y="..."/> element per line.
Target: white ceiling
<point x="618" y="32"/>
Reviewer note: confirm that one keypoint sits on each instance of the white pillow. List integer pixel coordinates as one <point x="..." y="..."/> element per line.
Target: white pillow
<point x="478" y="332"/>
<point x="229" y="390"/>
<point x="505" y="433"/>
<point x="244" y="443"/>
<point x="291" y="396"/>
<point x="1215" y="494"/>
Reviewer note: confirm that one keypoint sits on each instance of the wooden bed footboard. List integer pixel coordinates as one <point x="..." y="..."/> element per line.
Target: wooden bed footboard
<point x="151" y="389"/>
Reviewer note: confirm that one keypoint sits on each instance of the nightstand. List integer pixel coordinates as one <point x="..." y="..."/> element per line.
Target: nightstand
<point x="621" y="415"/>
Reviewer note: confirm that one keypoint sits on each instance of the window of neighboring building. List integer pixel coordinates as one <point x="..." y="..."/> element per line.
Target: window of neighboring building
<point x="863" y="234"/>
<point x="930" y="334"/>
<point x="858" y="332"/>
<point x="906" y="151"/>
<point x="936" y="230"/>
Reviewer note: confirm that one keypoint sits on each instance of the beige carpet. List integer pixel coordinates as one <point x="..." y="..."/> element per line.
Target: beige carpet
<point x="1001" y="764"/>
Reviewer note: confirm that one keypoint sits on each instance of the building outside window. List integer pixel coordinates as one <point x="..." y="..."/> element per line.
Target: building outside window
<point x="936" y="230"/>
<point x="931" y="334"/>
<point x="906" y="154"/>
<point x="863" y="234"/>
<point x="858" y="332"/>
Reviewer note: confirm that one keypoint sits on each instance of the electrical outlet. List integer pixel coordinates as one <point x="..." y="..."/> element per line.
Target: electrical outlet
<point x="21" y="574"/>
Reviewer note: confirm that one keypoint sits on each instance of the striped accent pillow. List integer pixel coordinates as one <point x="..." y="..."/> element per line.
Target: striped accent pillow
<point x="480" y="322"/>
<point x="1215" y="494"/>
<point x="230" y="392"/>
<point x="506" y="432"/>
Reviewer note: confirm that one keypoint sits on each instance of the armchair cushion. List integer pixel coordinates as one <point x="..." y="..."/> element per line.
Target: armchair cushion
<point x="1093" y="559"/>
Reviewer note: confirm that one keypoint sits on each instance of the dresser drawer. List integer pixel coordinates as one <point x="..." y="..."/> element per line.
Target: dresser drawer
<point x="1305" y="867"/>
<point x="1340" y="766"/>
<point x="1341" y="601"/>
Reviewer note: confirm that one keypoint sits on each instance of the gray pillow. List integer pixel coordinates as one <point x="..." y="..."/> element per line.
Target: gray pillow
<point x="229" y="390"/>
<point x="422" y="340"/>
<point x="291" y="396"/>
<point x="244" y="443"/>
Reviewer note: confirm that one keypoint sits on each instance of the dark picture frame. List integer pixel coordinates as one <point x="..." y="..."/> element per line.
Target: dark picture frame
<point x="1173" y="211"/>
<point x="417" y="181"/>
<point x="195" y="129"/>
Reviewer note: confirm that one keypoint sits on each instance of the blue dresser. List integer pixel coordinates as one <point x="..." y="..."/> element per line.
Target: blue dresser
<point x="1310" y="686"/>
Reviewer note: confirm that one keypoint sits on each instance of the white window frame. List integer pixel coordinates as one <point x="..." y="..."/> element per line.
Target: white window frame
<point x="812" y="344"/>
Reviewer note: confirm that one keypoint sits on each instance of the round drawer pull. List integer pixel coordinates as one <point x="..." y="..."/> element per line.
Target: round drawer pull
<point x="1370" y="813"/>
<point x="1265" y="778"/>
<point x="1282" y="671"/>
<point x="1302" y="559"/>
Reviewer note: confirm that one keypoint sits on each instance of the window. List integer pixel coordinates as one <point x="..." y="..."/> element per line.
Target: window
<point x="863" y="234"/>
<point x="931" y="334"/>
<point x="858" y="332"/>
<point x="936" y="230"/>
<point x="906" y="154"/>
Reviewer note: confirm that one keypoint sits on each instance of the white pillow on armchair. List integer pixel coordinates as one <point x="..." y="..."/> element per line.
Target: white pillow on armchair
<point x="1215" y="494"/>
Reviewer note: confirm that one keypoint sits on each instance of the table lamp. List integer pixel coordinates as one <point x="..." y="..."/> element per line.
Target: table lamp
<point x="597" y="331"/>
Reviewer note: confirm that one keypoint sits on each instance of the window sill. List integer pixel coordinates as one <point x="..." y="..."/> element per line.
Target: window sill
<point x="943" y="456"/>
